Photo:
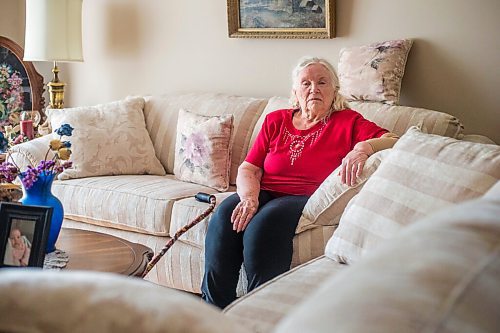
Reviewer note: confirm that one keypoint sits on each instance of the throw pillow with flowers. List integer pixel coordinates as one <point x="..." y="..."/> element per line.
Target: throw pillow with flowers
<point x="9" y="171"/>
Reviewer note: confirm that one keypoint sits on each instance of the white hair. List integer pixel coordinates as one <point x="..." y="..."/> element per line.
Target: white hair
<point x="339" y="102"/>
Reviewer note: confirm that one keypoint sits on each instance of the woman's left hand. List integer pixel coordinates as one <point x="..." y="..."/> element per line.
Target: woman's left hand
<point x="352" y="166"/>
<point x="353" y="163"/>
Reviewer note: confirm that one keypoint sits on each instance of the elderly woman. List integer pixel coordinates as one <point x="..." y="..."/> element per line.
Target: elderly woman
<point x="293" y="154"/>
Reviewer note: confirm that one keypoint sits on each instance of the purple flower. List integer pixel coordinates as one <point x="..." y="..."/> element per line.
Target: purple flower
<point x="8" y="171"/>
<point x="29" y="177"/>
<point x="65" y="129"/>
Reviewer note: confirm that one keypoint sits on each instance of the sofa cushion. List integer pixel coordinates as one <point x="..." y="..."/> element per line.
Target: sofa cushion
<point x="398" y="119"/>
<point x="422" y="173"/>
<point x="394" y="118"/>
<point x="185" y="211"/>
<point x="203" y="149"/>
<point x="440" y="274"/>
<point x="373" y="72"/>
<point x="49" y="301"/>
<point x="328" y="202"/>
<point x="261" y="309"/>
<point x="161" y="114"/>
<point x="310" y="244"/>
<point x="109" y="139"/>
<point x="137" y="203"/>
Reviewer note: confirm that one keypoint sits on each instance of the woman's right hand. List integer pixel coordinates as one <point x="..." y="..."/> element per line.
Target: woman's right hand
<point x="243" y="213"/>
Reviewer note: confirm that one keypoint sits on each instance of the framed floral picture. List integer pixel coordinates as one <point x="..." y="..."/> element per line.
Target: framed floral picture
<point x="24" y="231"/>
<point x="281" y="18"/>
<point x="21" y="86"/>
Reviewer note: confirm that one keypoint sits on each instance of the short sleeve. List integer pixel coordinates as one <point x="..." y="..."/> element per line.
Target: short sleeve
<point x="365" y="129"/>
<point x="260" y="148"/>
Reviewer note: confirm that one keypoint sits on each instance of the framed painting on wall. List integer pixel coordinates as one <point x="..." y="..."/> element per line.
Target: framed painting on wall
<point x="281" y="18"/>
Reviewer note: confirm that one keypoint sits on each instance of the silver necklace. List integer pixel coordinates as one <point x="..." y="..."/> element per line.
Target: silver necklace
<point x="298" y="142"/>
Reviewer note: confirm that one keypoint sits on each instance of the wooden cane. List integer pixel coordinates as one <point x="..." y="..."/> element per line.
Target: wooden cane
<point x="203" y="197"/>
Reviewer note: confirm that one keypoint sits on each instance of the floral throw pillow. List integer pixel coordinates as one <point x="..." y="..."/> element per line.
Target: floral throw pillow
<point x="373" y="72"/>
<point x="203" y="149"/>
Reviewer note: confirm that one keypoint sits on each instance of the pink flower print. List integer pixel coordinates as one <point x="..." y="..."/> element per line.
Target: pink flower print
<point x="195" y="149"/>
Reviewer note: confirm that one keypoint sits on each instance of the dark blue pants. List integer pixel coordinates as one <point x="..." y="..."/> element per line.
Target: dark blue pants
<point x="265" y="247"/>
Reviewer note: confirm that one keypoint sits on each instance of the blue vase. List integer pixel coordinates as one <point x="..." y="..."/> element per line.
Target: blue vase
<point x="40" y="194"/>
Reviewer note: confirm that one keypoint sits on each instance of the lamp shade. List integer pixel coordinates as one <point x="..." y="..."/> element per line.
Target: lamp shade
<point x="53" y="30"/>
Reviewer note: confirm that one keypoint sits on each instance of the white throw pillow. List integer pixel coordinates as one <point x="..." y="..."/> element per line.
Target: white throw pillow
<point x="329" y="201"/>
<point x="422" y="173"/>
<point x="108" y="139"/>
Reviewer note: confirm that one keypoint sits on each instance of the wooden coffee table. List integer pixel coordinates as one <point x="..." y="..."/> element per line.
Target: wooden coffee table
<point x="94" y="251"/>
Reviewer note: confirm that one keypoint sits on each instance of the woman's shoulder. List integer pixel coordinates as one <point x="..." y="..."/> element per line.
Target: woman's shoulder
<point x="347" y="114"/>
<point x="278" y="115"/>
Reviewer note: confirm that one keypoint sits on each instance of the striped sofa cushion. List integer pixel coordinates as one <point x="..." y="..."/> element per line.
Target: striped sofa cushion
<point x="398" y="119"/>
<point x="82" y="301"/>
<point x="161" y="113"/>
<point x="422" y="174"/>
<point x="328" y="202"/>
<point x="261" y="309"/>
<point x="186" y="210"/>
<point x="441" y="274"/>
<point x="394" y="118"/>
<point x="140" y="203"/>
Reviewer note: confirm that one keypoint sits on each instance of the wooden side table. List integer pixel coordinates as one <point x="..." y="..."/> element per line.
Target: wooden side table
<point x="94" y="251"/>
<point x="3" y="156"/>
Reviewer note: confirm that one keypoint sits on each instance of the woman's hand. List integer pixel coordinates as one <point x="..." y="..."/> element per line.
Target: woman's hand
<point x="243" y="213"/>
<point x="353" y="163"/>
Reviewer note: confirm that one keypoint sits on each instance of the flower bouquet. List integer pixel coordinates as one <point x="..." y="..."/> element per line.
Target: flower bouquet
<point x="37" y="180"/>
<point x="9" y="171"/>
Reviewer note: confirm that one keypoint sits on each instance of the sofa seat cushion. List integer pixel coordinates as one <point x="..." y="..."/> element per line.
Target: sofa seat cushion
<point x="140" y="203"/>
<point x="185" y="211"/>
<point x="261" y="309"/>
<point x="71" y="301"/>
<point x="440" y="274"/>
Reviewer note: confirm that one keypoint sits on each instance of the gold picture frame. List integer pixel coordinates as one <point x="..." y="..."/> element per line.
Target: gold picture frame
<point x="305" y="19"/>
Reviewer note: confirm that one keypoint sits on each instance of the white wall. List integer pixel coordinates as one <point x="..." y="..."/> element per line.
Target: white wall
<point x="151" y="47"/>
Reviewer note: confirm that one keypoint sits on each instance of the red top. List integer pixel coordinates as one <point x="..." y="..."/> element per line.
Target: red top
<point x="296" y="161"/>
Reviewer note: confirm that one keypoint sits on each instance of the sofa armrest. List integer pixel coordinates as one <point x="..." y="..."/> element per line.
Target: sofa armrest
<point x="326" y="205"/>
<point x="31" y="152"/>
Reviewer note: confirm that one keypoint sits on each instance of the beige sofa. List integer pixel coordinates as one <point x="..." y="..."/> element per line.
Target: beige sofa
<point x="148" y="209"/>
<point x="440" y="274"/>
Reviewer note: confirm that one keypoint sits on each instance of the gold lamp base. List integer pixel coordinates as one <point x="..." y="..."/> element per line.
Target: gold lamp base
<point x="56" y="90"/>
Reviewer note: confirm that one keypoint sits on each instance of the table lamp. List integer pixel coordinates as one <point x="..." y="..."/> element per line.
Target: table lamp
<point x="54" y="33"/>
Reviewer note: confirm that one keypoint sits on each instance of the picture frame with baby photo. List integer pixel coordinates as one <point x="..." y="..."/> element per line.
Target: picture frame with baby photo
<point x="24" y="231"/>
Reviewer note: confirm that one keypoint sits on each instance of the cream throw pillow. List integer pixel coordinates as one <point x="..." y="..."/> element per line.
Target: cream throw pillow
<point x="108" y="139"/>
<point x="373" y="72"/>
<point x="328" y="202"/>
<point x="440" y="274"/>
<point x="203" y="149"/>
<point x="422" y="174"/>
